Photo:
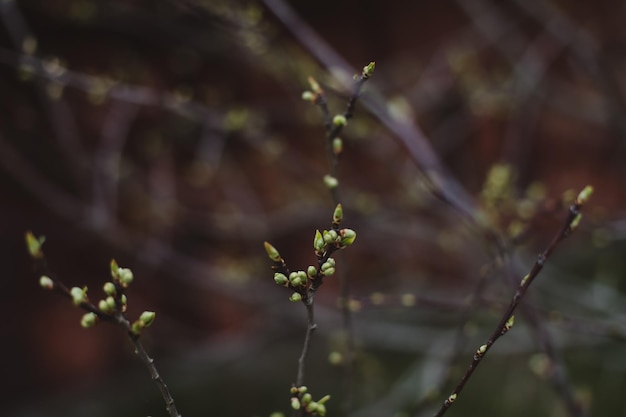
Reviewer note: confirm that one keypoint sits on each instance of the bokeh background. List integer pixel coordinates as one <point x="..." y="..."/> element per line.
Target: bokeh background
<point x="171" y="136"/>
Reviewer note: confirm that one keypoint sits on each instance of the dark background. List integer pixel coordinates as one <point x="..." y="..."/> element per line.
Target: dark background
<point x="171" y="136"/>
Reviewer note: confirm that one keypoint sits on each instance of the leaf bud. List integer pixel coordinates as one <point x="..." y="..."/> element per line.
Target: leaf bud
<point x="311" y="271"/>
<point x="125" y="277"/>
<point x="88" y="320"/>
<point x="330" y="182"/>
<point x="338" y="214"/>
<point x="104" y="307"/>
<point x="272" y="252"/>
<point x="147" y="318"/>
<point x="46" y="282"/>
<point x="308" y="96"/>
<point x="295" y="403"/>
<point x="324" y="399"/>
<point x="347" y="237"/>
<point x="79" y="295"/>
<point x="337" y="146"/>
<point x="318" y="242"/>
<point x="296" y="296"/>
<point x="33" y="244"/>
<point x="280" y="279"/>
<point x="340" y="120"/>
<point x="109" y="288"/>
<point x="584" y="195"/>
<point x="368" y="70"/>
<point x="329" y="271"/>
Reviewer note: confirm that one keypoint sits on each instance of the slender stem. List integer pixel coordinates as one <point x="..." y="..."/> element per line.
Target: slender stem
<point x="120" y="319"/>
<point x="311" y="326"/>
<point x="504" y="324"/>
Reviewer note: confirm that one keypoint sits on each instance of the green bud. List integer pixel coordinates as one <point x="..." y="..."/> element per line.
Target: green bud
<point x="296" y="296"/>
<point x="294" y="390"/>
<point x="46" y="282"/>
<point x="272" y="253"/>
<point x="315" y="85"/>
<point x="337" y="146"/>
<point x="347" y="237"/>
<point x="308" y="96"/>
<point x="79" y="295"/>
<point x="137" y="327"/>
<point x="147" y="318"/>
<point x="302" y="389"/>
<point x="311" y="271"/>
<point x="318" y="242"/>
<point x="324" y="399"/>
<point x="296" y="282"/>
<point x="576" y="221"/>
<point x="34" y="245"/>
<point x="306" y="398"/>
<point x="123" y="299"/>
<point x="104" y="307"/>
<point x="295" y="403"/>
<point x="328" y="238"/>
<point x="509" y="323"/>
<point x="330" y="261"/>
<point x="584" y="195"/>
<point x="111" y="303"/>
<point x="368" y="70"/>
<point x="125" y="277"/>
<point x="320" y="409"/>
<point x="338" y="214"/>
<point x="88" y="320"/>
<point x="280" y="279"/>
<point x="340" y="120"/>
<point x="328" y="271"/>
<point x="114" y="270"/>
<point x="330" y="181"/>
<point x="109" y="288"/>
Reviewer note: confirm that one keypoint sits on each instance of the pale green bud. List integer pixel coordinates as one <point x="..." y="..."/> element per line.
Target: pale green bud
<point x="330" y="181"/>
<point x="147" y="318"/>
<point x="314" y="85"/>
<point x="104" y="307"/>
<point x="584" y="195"/>
<point x="318" y="242"/>
<point x="329" y="271"/>
<point x="311" y="271"/>
<point x="110" y="302"/>
<point x="295" y="297"/>
<point x="328" y="237"/>
<point x="368" y="70"/>
<point x="337" y="146"/>
<point x="280" y="279"/>
<point x="338" y="214"/>
<point x="79" y="295"/>
<point x="88" y="320"/>
<point x="347" y="237"/>
<point x="125" y="277"/>
<point x="306" y="398"/>
<point x="109" y="288"/>
<point x="320" y="409"/>
<point x="272" y="252"/>
<point x="34" y="245"/>
<point x="114" y="270"/>
<point x="46" y="282"/>
<point x="302" y="389"/>
<point x="324" y="399"/>
<point x="295" y="403"/>
<point x="576" y="221"/>
<point x="340" y="120"/>
<point x="308" y="96"/>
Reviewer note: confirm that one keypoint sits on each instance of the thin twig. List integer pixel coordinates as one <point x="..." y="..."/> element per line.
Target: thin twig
<point x="571" y="221"/>
<point x="118" y="318"/>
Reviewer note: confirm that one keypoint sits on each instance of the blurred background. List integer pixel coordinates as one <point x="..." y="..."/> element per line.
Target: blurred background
<point x="172" y="137"/>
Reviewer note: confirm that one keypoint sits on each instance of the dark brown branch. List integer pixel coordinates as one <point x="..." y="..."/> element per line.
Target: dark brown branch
<point x="573" y="217"/>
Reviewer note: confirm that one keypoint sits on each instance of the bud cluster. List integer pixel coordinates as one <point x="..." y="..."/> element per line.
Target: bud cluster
<point x="304" y="282"/>
<point x="301" y="399"/>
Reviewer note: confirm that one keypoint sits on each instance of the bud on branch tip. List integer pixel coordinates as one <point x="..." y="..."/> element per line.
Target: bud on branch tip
<point x="272" y="252"/>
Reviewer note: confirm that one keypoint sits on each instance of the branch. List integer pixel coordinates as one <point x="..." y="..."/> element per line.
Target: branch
<point x="506" y="322"/>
